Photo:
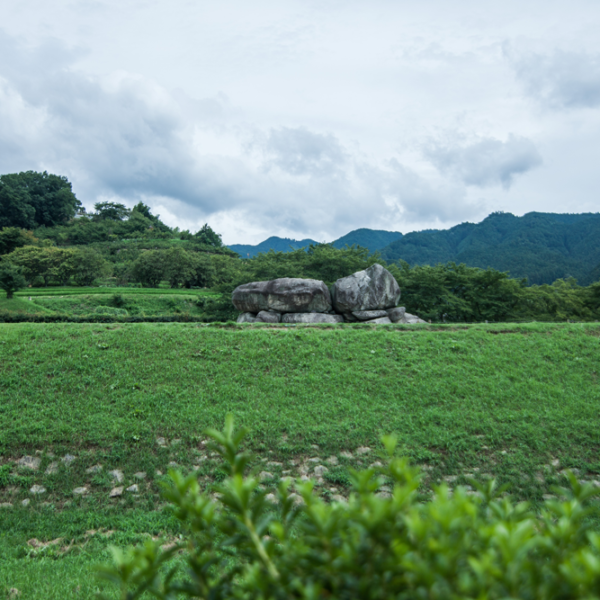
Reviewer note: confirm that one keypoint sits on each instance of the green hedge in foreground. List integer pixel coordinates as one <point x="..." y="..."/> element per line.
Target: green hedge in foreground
<point x="242" y="545"/>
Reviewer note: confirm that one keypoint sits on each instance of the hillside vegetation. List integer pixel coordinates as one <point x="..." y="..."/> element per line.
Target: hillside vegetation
<point x="274" y="243"/>
<point x="540" y="247"/>
<point x="518" y="403"/>
<point x="371" y="239"/>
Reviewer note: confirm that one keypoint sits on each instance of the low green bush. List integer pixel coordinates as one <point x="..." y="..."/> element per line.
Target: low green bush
<point x="111" y="310"/>
<point x="118" y="301"/>
<point x="238" y="544"/>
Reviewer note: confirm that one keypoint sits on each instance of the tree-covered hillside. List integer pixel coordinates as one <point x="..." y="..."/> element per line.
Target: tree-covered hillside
<point x="541" y="247"/>
<point x="273" y="243"/>
<point x="373" y="239"/>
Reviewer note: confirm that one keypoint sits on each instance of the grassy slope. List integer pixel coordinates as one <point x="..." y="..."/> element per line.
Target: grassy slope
<point x="85" y="301"/>
<point x="149" y="305"/>
<point x="461" y="400"/>
<point x="21" y="305"/>
<point x="74" y="291"/>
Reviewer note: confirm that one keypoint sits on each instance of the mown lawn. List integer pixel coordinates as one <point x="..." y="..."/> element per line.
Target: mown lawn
<point x="519" y="403"/>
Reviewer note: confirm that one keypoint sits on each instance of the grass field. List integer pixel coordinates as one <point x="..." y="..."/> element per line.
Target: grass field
<point x="80" y="302"/>
<point x="129" y="291"/>
<point x="519" y="403"/>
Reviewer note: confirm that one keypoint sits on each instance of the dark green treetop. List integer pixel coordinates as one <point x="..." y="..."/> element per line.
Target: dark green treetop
<point x="30" y="199"/>
<point x="206" y="235"/>
<point x="111" y="210"/>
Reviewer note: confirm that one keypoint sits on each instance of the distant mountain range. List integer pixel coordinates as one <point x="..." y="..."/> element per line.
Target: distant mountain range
<point x="372" y="239"/>
<point x="541" y="247"/>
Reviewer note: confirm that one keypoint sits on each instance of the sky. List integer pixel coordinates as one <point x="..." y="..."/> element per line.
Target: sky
<point x="306" y="118"/>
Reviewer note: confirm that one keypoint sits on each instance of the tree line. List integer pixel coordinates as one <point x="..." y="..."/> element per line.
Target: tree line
<point x="448" y="293"/>
<point x="133" y="247"/>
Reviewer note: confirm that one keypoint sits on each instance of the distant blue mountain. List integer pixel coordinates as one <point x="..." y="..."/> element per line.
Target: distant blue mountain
<point x="372" y="239"/>
<point x="273" y="243"/>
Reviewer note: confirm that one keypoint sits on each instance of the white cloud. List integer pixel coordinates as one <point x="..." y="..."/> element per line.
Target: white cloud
<point x="125" y="137"/>
<point x="485" y="161"/>
<point x="298" y="151"/>
<point x="560" y="79"/>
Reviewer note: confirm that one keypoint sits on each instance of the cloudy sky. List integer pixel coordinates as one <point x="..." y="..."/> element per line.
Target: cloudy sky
<point x="306" y="118"/>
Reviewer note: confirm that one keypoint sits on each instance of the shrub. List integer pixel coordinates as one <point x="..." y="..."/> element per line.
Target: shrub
<point x="118" y="301"/>
<point x="239" y="545"/>
<point x="149" y="268"/>
<point x="11" y="278"/>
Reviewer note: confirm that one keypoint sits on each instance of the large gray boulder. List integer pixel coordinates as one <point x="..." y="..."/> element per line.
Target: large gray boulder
<point x="372" y="289"/>
<point x="264" y="316"/>
<point x="396" y="314"/>
<point x="286" y="295"/>
<point x="380" y="321"/>
<point x="247" y="317"/>
<point x="311" y="318"/>
<point x="408" y="318"/>
<point x="367" y="315"/>
<point x="350" y="318"/>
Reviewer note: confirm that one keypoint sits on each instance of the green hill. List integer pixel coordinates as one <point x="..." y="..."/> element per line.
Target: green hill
<point x="273" y="243"/>
<point x="539" y="246"/>
<point x="373" y="239"/>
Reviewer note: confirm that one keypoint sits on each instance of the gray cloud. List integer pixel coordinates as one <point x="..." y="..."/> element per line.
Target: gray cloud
<point x="126" y="136"/>
<point x="161" y="102"/>
<point x="298" y="151"/>
<point x="486" y="161"/>
<point x="123" y="135"/>
<point x="419" y="199"/>
<point x="560" y="79"/>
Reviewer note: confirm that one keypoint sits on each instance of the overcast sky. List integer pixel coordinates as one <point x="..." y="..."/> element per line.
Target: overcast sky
<point x="307" y="118"/>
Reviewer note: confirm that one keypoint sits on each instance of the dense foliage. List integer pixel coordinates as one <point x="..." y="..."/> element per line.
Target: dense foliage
<point x="31" y="199"/>
<point x="442" y="293"/>
<point x="373" y="239"/>
<point x="11" y="279"/>
<point x="541" y="247"/>
<point x="240" y="544"/>
<point x="12" y="238"/>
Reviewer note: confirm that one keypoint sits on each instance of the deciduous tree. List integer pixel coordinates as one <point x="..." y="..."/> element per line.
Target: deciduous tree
<point x="31" y="199"/>
<point x="11" y="278"/>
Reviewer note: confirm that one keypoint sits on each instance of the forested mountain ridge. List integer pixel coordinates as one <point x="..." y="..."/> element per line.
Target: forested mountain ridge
<point x="273" y="243"/>
<point x="541" y="247"/>
<point x="372" y="239"/>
